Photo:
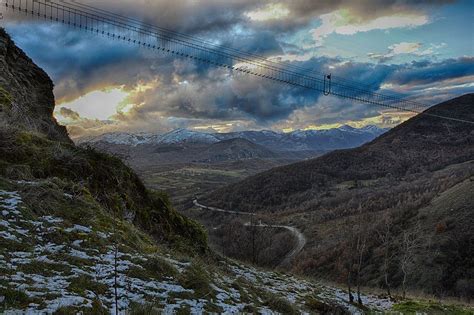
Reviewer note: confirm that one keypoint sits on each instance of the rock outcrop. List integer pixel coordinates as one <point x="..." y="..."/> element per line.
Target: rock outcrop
<point x="26" y="93"/>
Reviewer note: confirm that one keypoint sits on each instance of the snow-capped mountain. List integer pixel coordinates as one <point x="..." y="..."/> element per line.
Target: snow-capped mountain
<point x="328" y="139"/>
<point x="123" y="138"/>
<point x="186" y="136"/>
<point x="176" y="136"/>
<point x="298" y="140"/>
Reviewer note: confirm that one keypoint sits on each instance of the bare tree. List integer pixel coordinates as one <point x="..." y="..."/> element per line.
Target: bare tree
<point x="346" y="258"/>
<point x="362" y="233"/>
<point x="385" y="237"/>
<point x="410" y="243"/>
<point x="257" y="238"/>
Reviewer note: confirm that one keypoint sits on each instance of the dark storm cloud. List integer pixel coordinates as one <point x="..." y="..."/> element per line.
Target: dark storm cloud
<point x="429" y="72"/>
<point x="361" y="8"/>
<point x="214" y="16"/>
<point x="185" y="90"/>
<point x="77" y="62"/>
<point x="218" y="95"/>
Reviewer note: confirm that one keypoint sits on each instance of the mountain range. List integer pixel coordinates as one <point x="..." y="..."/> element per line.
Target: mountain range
<point x="184" y="162"/>
<point x="300" y="140"/>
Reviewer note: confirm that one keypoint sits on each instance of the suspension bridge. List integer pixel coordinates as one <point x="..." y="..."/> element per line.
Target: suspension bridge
<point x="161" y="40"/>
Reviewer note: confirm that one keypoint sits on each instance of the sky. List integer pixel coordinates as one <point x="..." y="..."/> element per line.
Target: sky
<point x="423" y="50"/>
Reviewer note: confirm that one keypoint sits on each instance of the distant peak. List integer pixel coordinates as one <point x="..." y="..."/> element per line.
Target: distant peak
<point x="347" y="128"/>
<point x="182" y="135"/>
<point x="371" y="127"/>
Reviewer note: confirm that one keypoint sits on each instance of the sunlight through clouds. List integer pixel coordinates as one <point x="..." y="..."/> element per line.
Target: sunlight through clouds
<point x="98" y="104"/>
<point x="272" y="11"/>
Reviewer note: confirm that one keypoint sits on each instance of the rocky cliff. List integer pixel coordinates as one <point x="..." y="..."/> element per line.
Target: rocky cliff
<point x="26" y="93"/>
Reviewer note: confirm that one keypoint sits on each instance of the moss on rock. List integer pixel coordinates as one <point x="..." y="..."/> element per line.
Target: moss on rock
<point x="5" y="100"/>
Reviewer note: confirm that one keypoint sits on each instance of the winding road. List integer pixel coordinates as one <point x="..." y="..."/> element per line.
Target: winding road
<point x="300" y="238"/>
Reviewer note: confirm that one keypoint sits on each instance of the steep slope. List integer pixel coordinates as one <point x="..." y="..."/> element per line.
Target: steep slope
<point x="61" y="261"/>
<point x="396" y="183"/>
<point x="423" y="143"/>
<point x="26" y="93"/>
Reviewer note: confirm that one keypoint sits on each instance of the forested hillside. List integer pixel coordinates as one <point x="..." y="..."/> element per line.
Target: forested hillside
<point x="401" y="179"/>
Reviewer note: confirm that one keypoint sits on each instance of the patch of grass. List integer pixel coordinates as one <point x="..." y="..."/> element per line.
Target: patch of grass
<point x="154" y="268"/>
<point x="197" y="279"/>
<point x="211" y="308"/>
<point x="144" y="309"/>
<point x="180" y="295"/>
<point x="240" y="284"/>
<point x="139" y="273"/>
<point x="42" y="268"/>
<point x="5" y="100"/>
<point x="58" y="236"/>
<point x="96" y="309"/>
<point x="414" y="307"/>
<point x="73" y="260"/>
<point x="5" y="271"/>
<point x="184" y="310"/>
<point x="7" y="246"/>
<point x="82" y="283"/>
<point x="159" y="267"/>
<point x="249" y="309"/>
<point x="14" y="299"/>
<point x="320" y="307"/>
<point x="280" y="305"/>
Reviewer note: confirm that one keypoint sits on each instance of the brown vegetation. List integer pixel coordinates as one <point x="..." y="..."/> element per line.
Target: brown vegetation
<point x="394" y="213"/>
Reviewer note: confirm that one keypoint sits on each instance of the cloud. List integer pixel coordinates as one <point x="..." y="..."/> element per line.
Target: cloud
<point x="406" y="48"/>
<point x="177" y="96"/>
<point x="79" y="126"/>
<point x="341" y="22"/>
<point x="418" y="73"/>
<point x="163" y="92"/>
<point x="272" y="11"/>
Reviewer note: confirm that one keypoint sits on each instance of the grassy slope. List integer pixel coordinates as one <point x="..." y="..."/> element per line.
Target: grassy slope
<point x="58" y="205"/>
<point x="57" y="256"/>
<point x="102" y="177"/>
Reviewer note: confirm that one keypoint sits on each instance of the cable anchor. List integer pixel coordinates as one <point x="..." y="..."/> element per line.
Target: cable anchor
<point x="327" y="87"/>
